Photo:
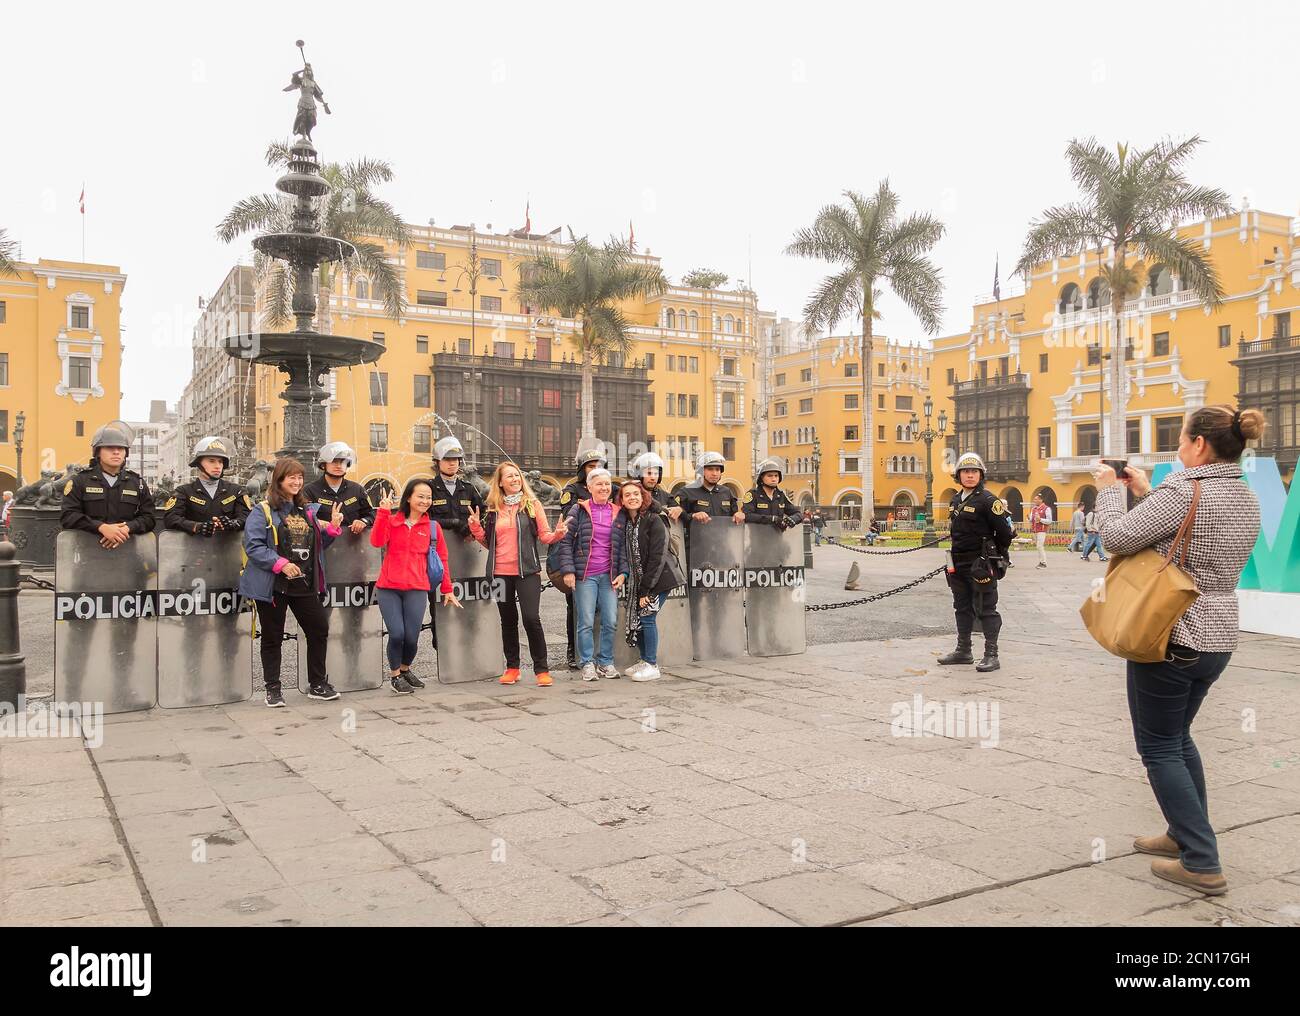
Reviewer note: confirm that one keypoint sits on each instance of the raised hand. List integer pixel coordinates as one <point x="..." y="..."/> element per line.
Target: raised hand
<point x="474" y="518"/>
<point x="336" y="517"/>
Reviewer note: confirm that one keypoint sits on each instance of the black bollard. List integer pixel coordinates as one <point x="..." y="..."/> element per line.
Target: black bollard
<point x="13" y="671"/>
<point x="807" y="546"/>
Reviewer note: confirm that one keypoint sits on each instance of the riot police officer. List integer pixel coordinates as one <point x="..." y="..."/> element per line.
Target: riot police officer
<point x="453" y="501"/>
<point x="587" y="459"/>
<point x="981" y="537"/>
<point x="333" y="488"/>
<point x="648" y="470"/>
<point x="108" y="499"/>
<point x="707" y="499"/>
<point x="209" y="503"/>
<point x="767" y="503"/>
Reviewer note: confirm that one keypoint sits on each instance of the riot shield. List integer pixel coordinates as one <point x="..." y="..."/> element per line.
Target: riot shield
<point x="716" y="551"/>
<point x="105" y="622"/>
<point x="774" y="592"/>
<point x="354" y="653"/>
<point x="469" y="637"/>
<point x="205" y="643"/>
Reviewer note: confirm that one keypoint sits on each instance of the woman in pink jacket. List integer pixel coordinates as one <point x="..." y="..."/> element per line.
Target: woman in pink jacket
<point x="403" y="587"/>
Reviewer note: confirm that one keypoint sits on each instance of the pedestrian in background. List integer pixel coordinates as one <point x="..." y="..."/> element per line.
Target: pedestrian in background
<point x="1093" y="540"/>
<point x="1164" y="697"/>
<point x="1077" y="522"/>
<point x="1040" y="520"/>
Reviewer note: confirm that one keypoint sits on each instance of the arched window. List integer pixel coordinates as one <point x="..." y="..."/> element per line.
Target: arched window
<point x="898" y="433"/>
<point x="363" y="289"/>
<point x="717" y="323"/>
<point x="912" y="460"/>
<point x="1071" y="299"/>
<point x="1160" y="281"/>
<point x="670" y="318"/>
<point x="728" y="324"/>
<point x="695" y="321"/>
<point x="1098" y="294"/>
<point x="893" y="464"/>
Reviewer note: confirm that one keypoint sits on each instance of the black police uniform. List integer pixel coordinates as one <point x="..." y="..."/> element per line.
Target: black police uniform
<point x="89" y="501"/>
<point x="719" y="502"/>
<point x="191" y="510"/>
<point x="351" y="498"/>
<point x="451" y="510"/>
<point x="774" y="510"/>
<point x="979" y="524"/>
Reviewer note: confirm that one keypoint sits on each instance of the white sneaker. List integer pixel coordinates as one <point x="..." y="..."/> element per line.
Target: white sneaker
<point x="589" y="672"/>
<point x="635" y="669"/>
<point x="609" y="673"/>
<point x="648" y="672"/>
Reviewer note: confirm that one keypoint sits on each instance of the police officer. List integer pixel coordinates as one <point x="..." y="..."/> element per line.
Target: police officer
<point x="586" y="460"/>
<point x="333" y="488"/>
<point x="453" y="501"/>
<point x="981" y="536"/>
<point x="208" y="504"/>
<point x="648" y="471"/>
<point x="767" y="503"/>
<point x="108" y="499"/>
<point x="707" y="499"/>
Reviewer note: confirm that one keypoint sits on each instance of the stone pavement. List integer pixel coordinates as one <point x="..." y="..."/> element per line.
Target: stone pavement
<point x="770" y="792"/>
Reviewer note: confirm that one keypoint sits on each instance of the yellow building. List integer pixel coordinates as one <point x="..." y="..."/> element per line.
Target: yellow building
<point x="698" y="349"/>
<point x="815" y="413"/>
<point x="60" y="362"/>
<point x="1022" y="385"/>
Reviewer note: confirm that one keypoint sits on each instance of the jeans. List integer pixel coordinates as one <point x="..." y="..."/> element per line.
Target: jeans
<point x="403" y="613"/>
<point x="588" y="593"/>
<point x="1094" y="540"/>
<point x="817" y="536"/>
<point x="648" y="638"/>
<point x="313" y="626"/>
<point x="1077" y="542"/>
<point x="1162" y="700"/>
<point x="527" y="590"/>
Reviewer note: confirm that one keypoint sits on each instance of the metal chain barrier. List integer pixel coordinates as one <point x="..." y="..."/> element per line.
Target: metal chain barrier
<point x="877" y="596"/>
<point x="882" y="553"/>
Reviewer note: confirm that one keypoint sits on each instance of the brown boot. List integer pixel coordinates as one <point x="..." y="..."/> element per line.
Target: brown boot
<point x="1173" y="871"/>
<point x="1162" y="845"/>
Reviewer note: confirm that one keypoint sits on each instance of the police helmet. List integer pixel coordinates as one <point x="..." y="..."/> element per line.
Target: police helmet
<point x="210" y="447"/>
<point x="772" y="465"/>
<point x="644" y="461"/>
<point x="710" y="459"/>
<point x="448" y="448"/>
<point x="336" y="450"/>
<point x="592" y="453"/>
<point x="969" y="460"/>
<point x="114" y="434"/>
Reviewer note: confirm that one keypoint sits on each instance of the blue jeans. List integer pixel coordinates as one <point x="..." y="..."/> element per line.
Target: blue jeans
<point x="648" y="639"/>
<point x="588" y="593"/>
<point x="1162" y="700"/>
<point x="1094" y="540"/>
<point x="1077" y="542"/>
<point x="403" y="613"/>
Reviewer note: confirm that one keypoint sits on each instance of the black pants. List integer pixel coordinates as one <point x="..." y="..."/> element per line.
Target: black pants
<point x="570" y="625"/>
<point x="433" y="618"/>
<point x="528" y="591"/>
<point x="967" y="594"/>
<point x="314" y="623"/>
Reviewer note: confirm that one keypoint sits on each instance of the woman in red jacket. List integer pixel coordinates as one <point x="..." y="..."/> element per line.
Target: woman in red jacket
<point x="403" y="586"/>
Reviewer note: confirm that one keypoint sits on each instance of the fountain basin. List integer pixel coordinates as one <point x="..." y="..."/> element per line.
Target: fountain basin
<point x="307" y="249"/>
<point x="295" y="348"/>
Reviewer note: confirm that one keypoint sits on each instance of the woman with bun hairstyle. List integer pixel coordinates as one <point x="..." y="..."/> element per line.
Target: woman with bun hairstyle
<point x="513" y="532"/>
<point x="1164" y="697"/>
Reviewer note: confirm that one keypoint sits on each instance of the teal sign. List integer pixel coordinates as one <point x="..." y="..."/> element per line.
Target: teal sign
<point x="1274" y="565"/>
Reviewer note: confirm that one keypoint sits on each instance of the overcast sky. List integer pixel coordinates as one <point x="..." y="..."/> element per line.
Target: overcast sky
<point x="716" y="128"/>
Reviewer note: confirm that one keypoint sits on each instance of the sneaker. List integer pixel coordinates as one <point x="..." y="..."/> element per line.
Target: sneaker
<point x="274" y="698"/>
<point x="635" y="669"/>
<point x="609" y="673"/>
<point x="411" y="679"/>
<point x="399" y="685"/>
<point x="1041" y="564"/>
<point x="544" y="679"/>
<point x="589" y="672"/>
<point x="648" y="672"/>
<point x="323" y="692"/>
<point x="511" y="676"/>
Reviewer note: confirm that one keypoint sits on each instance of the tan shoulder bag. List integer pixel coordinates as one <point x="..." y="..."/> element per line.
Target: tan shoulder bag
<point x="1143" y="596"/>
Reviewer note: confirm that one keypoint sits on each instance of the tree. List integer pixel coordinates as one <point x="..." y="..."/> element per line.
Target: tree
<point x="871" y="246"/>
<point x="587" y="285"/>
<point x="1132" y="201"/>
<point x="704" y="278"/>
<point x="351" y="211"/>
<point x="8" y="254"/>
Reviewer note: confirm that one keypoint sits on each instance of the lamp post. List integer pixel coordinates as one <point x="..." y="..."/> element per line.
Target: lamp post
<point x="928" y="436"/>
<point x="20" y="428"/>
<point x="817" y="471"/>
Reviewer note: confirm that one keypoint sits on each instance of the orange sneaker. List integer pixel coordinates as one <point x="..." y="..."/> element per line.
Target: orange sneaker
<point x="510" y="677"/>
<point x="544" y="679"/>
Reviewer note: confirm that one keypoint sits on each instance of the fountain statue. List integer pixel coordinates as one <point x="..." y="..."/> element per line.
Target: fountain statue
<point x="304" y="354"/>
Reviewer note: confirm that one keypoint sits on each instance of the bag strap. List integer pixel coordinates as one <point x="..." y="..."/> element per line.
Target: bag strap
<point x="1183" y="537"/>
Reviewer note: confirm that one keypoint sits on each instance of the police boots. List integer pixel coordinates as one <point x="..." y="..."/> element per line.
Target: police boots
<point x="961" y="654"/>
<point x="990" y="661"/>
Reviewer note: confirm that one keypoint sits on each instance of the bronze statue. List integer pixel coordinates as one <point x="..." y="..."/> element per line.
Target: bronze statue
<point x="308" y="92"/>
<point x="258" y="479"/>
<point x="548" y="494"/>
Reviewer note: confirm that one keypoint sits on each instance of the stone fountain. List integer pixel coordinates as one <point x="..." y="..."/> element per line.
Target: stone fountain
<point x="304" y="354"/>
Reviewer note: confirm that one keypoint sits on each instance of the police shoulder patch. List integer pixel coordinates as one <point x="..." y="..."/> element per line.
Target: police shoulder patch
<point x="749" y="497"/>
<point x="566" y="497"/>
<point x="999" y="506"/>
<point x="170" y="504"/>
<point x="67" y="488"/>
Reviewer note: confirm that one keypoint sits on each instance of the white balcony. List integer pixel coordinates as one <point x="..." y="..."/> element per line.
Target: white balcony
<point x="1063" y="467"/>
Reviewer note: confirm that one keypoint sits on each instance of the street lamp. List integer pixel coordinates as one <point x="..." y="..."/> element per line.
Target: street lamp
<point x="817" y="471"/>
<point x="928" y="436"/>
<point x="20" y="428"/>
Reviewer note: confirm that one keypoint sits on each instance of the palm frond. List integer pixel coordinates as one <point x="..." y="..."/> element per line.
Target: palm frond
<point x="918" y="282"/>
<point x="385" y="278"/>
<point x="837" y="296"/>
<point x="1184" y="256"/>
<point x="8" y="254"/>
<point x="260" y="213"/>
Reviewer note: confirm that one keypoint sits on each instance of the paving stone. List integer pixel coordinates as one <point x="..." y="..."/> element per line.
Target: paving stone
<point x="725" y="908"/>
<point x="915" y="878"/>
<point x="546" y="900"/>
<point x="816" y="897"/>
<point x="637" y="884"/>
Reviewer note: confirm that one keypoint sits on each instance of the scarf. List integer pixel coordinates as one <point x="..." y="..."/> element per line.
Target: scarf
<point x="513" y="499"/>
<point x="632" y="539"/>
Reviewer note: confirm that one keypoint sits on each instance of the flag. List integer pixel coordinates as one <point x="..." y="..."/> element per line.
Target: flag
<point x="82" y="199"/>
<point x="997" y="289"/>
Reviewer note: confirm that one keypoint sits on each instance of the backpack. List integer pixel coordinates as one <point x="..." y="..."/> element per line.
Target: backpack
<point x="275" y="537"/>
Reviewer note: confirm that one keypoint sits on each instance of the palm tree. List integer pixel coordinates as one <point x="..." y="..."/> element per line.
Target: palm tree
<point x="351" y="211"/>
<point x="871" y="245"/>
<point x="8" y="254"/>
<point x="587" y="284"/>
<point x="1132" y="201"/>
<point x="704" y="278"/>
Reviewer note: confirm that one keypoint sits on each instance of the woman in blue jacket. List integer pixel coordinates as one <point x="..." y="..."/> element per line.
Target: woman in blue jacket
<point x="285" y="542"/>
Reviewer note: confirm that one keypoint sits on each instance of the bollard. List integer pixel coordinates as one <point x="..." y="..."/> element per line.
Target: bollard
<point x="13" y="671"/>
<point x="807" y="545"/>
